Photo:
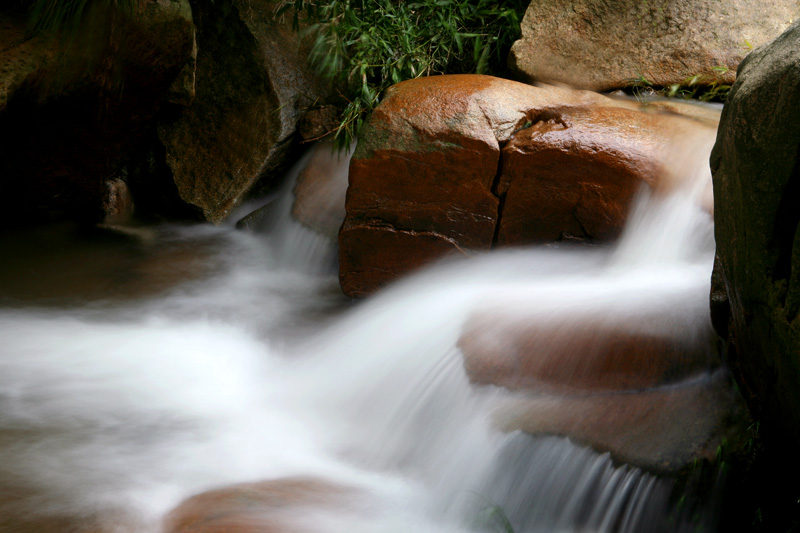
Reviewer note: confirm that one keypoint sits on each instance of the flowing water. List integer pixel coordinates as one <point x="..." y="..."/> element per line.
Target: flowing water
<point x="138" y="370"/>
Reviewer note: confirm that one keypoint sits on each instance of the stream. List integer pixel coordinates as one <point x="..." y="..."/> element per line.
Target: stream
<point x="138" y="369"/>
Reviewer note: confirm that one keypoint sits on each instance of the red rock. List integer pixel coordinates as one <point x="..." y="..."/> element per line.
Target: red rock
<point x="574" y="173"/>
<point x="429" y="163"/>
<point x="580" y="355"/>
<point x="265" y="507"/>
<point x="373" y="255"/>
<point x="426" y="163"/>
<point x="662" y="430"/>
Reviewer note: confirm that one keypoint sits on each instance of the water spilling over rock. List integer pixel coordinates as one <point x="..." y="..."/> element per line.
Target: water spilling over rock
<point x="248" y="390"/>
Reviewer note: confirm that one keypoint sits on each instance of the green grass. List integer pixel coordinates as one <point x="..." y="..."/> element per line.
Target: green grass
<point x="365" y="46"/>
<point x="494" y="517"/>
<point x="703" y="87"/>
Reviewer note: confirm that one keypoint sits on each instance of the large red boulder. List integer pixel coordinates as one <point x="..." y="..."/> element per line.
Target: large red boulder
<point x="574" y="172"/>
<point x="423" y="171"/>
<point x="456" y="164"/>
<point x="425" y="168"/>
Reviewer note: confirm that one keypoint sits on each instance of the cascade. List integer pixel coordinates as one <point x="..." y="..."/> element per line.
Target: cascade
<point x="139" y="371"/>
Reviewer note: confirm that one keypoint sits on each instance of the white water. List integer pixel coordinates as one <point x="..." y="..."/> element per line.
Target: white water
<point x="113" y="410"/>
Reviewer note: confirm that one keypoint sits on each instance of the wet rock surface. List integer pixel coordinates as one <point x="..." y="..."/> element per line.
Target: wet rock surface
<point x="645" y="385"/>
<point x="579" y="353"/>
<point x="469" y="162"/>
<point x="321" y="189"/>
<point x="275" y="506"/>
<point x="573" y="173"/>
<point x="661" y="430"/>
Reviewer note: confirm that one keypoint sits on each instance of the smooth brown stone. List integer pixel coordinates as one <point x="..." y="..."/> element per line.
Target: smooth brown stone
<point x="263" y="507"/>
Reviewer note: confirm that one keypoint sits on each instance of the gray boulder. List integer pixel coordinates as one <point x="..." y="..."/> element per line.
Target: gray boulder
<point x="602" y="45"/>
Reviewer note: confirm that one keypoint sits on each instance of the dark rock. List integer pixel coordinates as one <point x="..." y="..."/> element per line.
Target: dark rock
<point x="264" y="219"/>
<point x="252" y="81"/>
<point x="117" y="202"/>
<point x="719" y="305"/>
<point x="70" y="112"/>
<point x="182" y="91"/>
<point x="318" y="122"/>
<point x="756" y="167"/>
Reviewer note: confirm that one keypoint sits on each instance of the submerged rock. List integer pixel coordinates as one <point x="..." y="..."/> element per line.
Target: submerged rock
<point x="321" y="189"/>
<point x="276" y="506"/>
<point x="661" y="430"/>
<point x="756" y="166"/>
<point x="644" y="385"/>
<point x="579" y="353"/>
<point x="600" y="45"/>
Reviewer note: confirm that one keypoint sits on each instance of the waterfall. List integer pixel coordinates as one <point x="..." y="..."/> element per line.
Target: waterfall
<point x="137" y="372"/>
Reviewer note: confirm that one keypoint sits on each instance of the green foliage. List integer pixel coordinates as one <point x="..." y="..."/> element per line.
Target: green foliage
<point x="363" y="47"/>
<point x="703" y="87"/>
<point x="495" y="517"/>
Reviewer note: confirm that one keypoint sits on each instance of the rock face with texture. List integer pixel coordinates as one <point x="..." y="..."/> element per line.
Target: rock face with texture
<point x="661" y="430"/>
<point x="756" y="166"/>
<point x="252" y="79"/>
<point x="642" y="383"/>
<point x="70" y="112"/>
<point x="573" y="173"/>
<point x="456" y="164"/>
<point x="422" y="175"/>
<point x="578" y="353"/>
<point x="601" y="45"/>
